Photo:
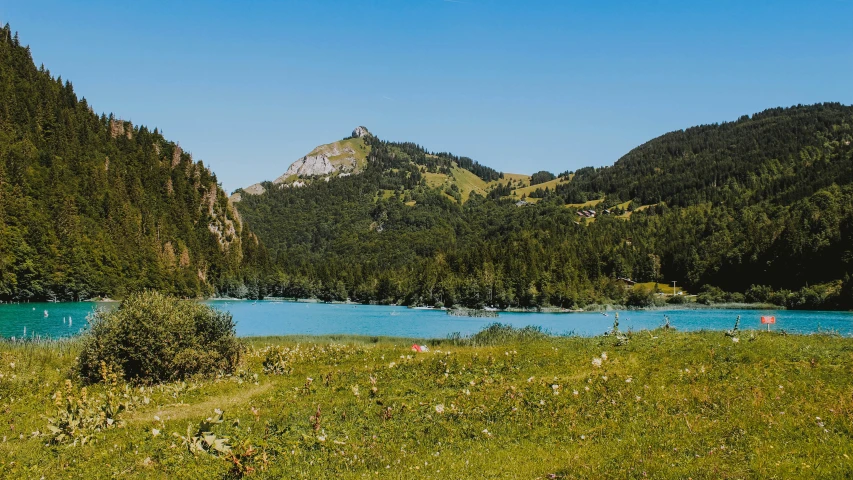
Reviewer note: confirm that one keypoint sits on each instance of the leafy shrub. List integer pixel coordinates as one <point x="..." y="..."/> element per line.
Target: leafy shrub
<point x="677" y="300"/>
<point x="204" y="440"/>
<point x="710" y="295"/>
<point x="79" y="415"/>
<point x="498" y="333"/>
<point x="640" y="297"/>
<point x="151" y="337"/>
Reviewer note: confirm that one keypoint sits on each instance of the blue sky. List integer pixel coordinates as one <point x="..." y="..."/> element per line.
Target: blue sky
<point x="517" y="85"/>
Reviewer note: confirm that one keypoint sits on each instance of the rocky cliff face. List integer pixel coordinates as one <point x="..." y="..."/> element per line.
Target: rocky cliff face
<point x="327" y="159"/>
<point x="341" y="158"/>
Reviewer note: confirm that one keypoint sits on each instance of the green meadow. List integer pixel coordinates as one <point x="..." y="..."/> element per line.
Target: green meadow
<point x="504" y="403"/>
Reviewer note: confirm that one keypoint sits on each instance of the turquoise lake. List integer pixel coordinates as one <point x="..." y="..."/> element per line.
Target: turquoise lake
<point x="290" y="318"/>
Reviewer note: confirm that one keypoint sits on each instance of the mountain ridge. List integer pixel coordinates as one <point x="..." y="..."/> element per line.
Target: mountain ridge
<point x="732" y="205"/>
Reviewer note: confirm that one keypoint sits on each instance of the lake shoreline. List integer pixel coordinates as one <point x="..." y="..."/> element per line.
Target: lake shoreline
<point x="278" y="317"/>
<point x="592" y="308"/>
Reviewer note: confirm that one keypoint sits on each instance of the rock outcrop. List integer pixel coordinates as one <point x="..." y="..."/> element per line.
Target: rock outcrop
<point x="339" y="159"/>
<point x="309" y="166"/>
<point x="360" y="132"/>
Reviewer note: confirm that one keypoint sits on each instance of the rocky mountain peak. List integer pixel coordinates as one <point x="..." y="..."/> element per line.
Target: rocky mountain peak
<point x="338" y="159"/>
<point x="360" y="132"/>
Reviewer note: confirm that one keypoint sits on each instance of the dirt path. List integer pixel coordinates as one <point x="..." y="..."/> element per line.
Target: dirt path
<point x="200" y="410"/>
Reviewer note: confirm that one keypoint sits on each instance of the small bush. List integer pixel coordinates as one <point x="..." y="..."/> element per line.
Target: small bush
<point x="640" y="297"/>
<point x="677" y="300"/>
<point x="498" y="333"/>
<point x="153" y="338"/>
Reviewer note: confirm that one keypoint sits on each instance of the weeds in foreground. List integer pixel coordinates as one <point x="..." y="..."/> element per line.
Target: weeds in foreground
<point x="665" y="405"/>
<point x="203" y="440"/>
<point x="80" y="415"/>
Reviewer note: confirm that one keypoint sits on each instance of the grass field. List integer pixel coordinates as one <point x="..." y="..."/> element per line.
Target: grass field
<point x="664" y="288"/>
<point x="589" y="204"/>
<point x="551" y="185"/>
<point x="627" y="215"/>
<point x="515" y="177"/>
<point x="466" y="181"/>
<point x="503" y="405"/>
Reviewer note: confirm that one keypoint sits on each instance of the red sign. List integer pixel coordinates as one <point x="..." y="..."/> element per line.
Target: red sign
<point x="768" y="319"/>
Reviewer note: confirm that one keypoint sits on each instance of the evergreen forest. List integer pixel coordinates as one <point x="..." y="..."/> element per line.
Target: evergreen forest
<point x="93" y="206"/>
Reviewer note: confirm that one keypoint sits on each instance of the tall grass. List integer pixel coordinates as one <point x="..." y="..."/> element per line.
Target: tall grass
<point x="503" y="403"/>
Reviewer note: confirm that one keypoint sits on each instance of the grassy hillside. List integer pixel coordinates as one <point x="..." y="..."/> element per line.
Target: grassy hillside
<point x="464" y="181"/>
<point x="501" y="405"/>
<point x="527" y="190"/>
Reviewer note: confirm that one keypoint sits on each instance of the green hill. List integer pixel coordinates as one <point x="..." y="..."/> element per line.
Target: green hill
<point x="760" y="209"/>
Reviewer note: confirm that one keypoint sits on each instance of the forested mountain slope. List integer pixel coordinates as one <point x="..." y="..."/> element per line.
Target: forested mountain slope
<point x="780" y="154"/>
<point x="91" y="205"/>
<point x="761" y="208"/>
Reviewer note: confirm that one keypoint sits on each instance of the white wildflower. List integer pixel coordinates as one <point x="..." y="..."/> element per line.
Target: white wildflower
<point x="604" y="355"/>
<point x="392" y="364"/>
<point x="439" y="408"/>
<point x="155" y="432"/>
<point x="575" y="393"/>
<point x="596" y="362"/>
<point x="735" y="339"/>
<point x="628" y="380"/>
<point x="529" y="380"/>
